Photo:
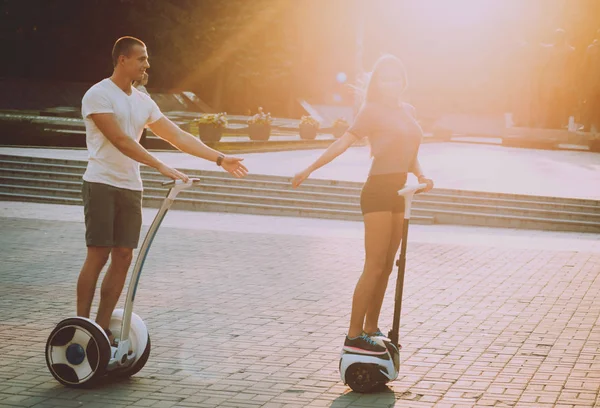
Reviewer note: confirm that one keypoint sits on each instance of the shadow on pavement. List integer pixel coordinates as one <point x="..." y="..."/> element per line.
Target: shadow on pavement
<point x="383" y="399"/>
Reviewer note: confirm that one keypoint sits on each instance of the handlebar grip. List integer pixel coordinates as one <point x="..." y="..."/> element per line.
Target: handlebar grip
<point x="171" y="183"/>
<point x="412" y="189"/>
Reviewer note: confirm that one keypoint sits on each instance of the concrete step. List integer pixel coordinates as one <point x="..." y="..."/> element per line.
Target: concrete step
<point x="49" y="165"/>
<point x="151" y="201"/>
<point x="438" y="196"/>
<point x="429" y="201"/>
<point x="70" y="180"/>
<point x="520" y="197"/>
<point x="343" y="187"/>
<point x="73" y="190"/>
<point x="548" y="213"/>
<point x="504" y="221"/>
<point x="42" y="176"/>
<point x="58" y="179"/>
<point x="195" y="200"/>
<point x="435" y="196"/>
<point x="308" y="199"/>
<point x="17" y="169"/>
<point x="424" y="217"/>
<point x="42" y="165"/>
<point x="39" y="198"/>
<point x="432" y="200"/>
<point x="443" y="197"/>
<point x="61" y="165"/>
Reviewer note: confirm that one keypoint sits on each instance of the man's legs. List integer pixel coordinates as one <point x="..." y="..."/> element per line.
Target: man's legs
<point x="86" y="284"/>
<point x="99" y="212"/>
<point x="126" y="228"/>
<point x="113" y="220"/>
<point x="112" y="284"/>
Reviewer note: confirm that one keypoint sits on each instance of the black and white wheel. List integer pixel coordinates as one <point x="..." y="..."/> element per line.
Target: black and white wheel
<point x="395" y="355"/>
<point x="77" y="352"/>
<point x="137" y="365"/>
<point x="139" y="338"/>
<point x="364" y="378"/>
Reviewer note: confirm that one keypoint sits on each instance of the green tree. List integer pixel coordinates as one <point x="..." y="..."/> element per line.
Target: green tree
<point x="227" y="51"/>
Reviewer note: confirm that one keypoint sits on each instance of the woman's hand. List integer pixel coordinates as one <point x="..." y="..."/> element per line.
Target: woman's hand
<point x="425" y="180"/>
<point x="300" y="177"/>
<point x="334" y="150"/>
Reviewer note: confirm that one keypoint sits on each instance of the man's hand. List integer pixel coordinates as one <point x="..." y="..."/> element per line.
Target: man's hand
<point x="234" y="166"/>
<point x="172" y="173"/>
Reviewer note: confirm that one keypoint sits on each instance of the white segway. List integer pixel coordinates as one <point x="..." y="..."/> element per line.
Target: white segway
<point x="78" y="352"/>
<point x="367" y="373"/>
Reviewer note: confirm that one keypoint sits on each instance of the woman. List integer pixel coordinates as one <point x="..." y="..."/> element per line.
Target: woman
<point x="395" y="137"/>
<point x="141" y="86"/>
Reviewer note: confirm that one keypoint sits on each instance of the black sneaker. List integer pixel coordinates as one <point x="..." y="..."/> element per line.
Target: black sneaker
<point x="378" y="333"/>
<point x="364" y="344"/>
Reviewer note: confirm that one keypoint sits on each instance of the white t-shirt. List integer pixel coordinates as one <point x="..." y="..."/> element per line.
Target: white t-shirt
<point x="106" y="164"/>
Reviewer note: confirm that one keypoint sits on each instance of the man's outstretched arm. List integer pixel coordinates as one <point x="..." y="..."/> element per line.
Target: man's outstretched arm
<point x="108" y="125"/>
<point x="184" y="141"/>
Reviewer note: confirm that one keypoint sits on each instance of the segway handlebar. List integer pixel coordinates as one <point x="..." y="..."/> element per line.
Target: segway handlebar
<point x="411" y="189"/>
<point x="171" y="183"/>
<point x="409" y="192"/>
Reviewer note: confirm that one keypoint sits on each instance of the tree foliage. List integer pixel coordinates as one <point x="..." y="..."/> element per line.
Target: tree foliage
<point x="234" y="48"/>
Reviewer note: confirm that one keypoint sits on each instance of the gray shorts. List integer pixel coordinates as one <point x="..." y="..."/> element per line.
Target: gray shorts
<point x="113" y="216"/>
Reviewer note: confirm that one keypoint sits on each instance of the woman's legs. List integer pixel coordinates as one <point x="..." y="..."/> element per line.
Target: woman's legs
<point x="374" y="308"/>
<point x="378" y="231"/>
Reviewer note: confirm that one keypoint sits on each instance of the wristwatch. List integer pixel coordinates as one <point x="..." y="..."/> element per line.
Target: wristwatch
<point x="220" y="159"/>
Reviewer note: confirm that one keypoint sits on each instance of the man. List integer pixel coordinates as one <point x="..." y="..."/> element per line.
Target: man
<point x="590" y="87"/>
<point x="519" y="77"/>
<point x="115" y="113"/>
<point x="557" y="72"/>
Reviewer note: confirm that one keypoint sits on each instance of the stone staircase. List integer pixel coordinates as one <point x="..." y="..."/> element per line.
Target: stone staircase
<point x="59" y="181"/>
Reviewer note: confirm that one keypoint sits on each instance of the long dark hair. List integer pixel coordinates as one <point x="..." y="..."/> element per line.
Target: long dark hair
<point x="371" y="92"/>
<point x="369" y="88"/>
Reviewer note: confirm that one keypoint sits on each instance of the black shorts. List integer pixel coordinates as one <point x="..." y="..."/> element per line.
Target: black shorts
<point x="380" y="193"/>
<point x="113" y="216"/>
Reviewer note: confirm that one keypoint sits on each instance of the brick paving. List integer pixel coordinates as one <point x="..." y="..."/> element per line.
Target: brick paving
<point x="256" y="319"/>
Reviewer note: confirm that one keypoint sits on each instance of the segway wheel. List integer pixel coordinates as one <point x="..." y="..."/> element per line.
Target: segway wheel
<point x="77" y="352"/>
<point x="137" y="365"/>
<point x="364" y="378"/>
<point x="140" y="342"/>
<point x="395" y="354"/>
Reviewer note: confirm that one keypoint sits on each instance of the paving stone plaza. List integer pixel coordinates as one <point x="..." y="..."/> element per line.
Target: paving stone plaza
<point x="250" y="311"/>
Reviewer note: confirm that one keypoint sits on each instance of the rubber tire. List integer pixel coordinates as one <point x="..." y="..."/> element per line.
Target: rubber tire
<point x="136" y="366"/>
<point x="98" y="336"/>
<point x="395" y="355"/>
<point x="355" y="375"/>
<point x="137" y="330"/>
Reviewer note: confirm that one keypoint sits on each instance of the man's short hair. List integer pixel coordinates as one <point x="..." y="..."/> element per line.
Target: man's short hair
<point x="123" y="46"/>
